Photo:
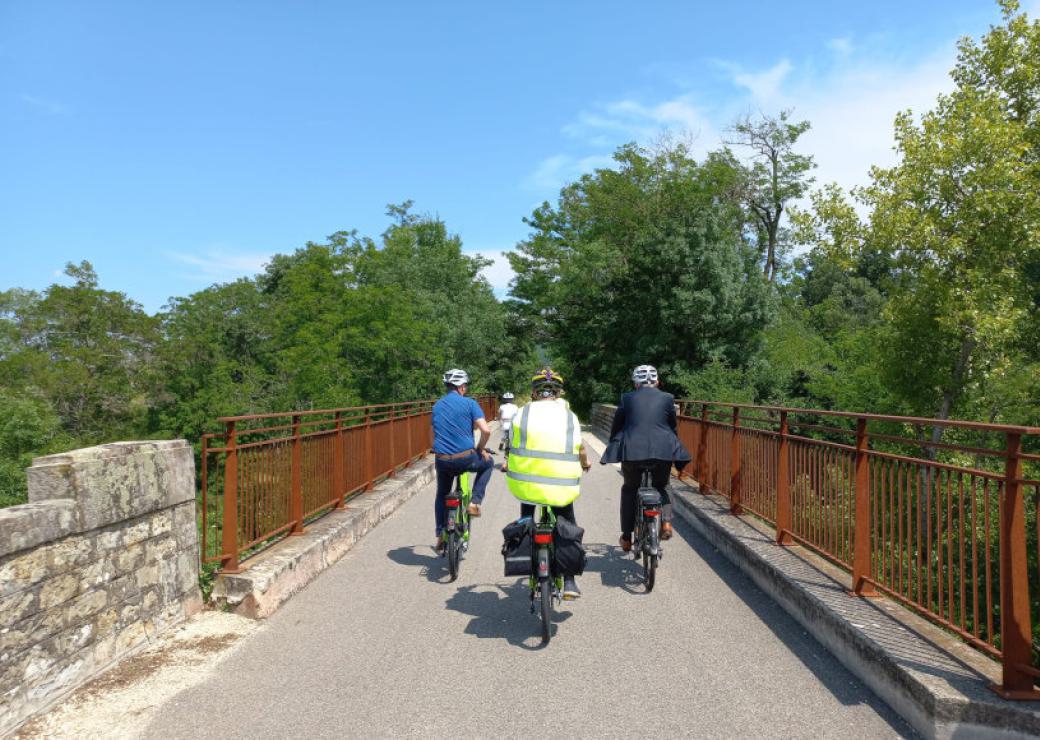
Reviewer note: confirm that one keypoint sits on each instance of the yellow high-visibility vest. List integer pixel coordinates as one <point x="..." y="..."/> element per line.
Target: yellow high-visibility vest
<point x="544" y="466"/>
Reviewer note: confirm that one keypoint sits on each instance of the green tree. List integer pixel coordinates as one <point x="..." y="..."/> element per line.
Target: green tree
<point x="775" y="176"/>
<point x="959" y="216"/>
<point x="643" y="263"/>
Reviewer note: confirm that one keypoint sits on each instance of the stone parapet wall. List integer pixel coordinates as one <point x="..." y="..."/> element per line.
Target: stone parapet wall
<point x="602" y="417"/>
<point x="102" y="559"/>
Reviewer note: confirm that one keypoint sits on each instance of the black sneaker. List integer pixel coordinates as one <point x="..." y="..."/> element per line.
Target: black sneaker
<point x="570" y="589"/>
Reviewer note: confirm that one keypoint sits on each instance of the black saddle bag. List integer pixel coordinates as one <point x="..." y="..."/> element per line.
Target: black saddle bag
<point x="649" y="497"/>
<point x="568" y="550"/>
<point x="516" y="547"/>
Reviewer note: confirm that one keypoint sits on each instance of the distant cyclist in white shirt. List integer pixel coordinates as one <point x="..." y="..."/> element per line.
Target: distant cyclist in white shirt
<point x="506" y="412"/>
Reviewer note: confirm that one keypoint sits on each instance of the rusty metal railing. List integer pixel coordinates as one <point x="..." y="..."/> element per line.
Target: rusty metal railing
<point x="275" y="473"/>
<point x="947" y="527"/>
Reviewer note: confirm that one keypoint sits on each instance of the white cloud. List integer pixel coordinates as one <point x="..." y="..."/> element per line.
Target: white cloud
<point x="220" y="264"/>
<point x="554" y="172"/>
<point x="841" y="46"/>
<point x="850" y="96"/>
<point x="764" y="86"/>
<point x="630" y="120"/>
<point x="49" y="107"/>
<point x="499" y="273"/>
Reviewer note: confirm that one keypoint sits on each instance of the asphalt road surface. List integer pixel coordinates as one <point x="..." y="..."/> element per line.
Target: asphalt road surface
<point x="382" y="645"/>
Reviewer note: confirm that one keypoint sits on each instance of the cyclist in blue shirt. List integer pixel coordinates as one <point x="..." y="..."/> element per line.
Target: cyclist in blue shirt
<point x="454" y="419"/>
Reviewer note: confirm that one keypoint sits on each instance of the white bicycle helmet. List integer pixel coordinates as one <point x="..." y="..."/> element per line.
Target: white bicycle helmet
<point x="644" y="375"/>
<point x="456" y="377"/>
<point x="507" y="396"/>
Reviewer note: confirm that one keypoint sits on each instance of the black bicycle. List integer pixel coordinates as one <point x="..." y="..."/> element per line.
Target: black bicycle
<point x="546" y="586"/>
<point x="646" y="543"/>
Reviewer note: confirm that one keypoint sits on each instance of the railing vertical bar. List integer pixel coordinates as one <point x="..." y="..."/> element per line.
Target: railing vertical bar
<point x="229" y="532"/>
<point x="861" y="560"/>
<point x="783" y="486"/>
<point x="735" y="505"/>
<point x="296" y="490"/>
<point x="1015" y="618"/>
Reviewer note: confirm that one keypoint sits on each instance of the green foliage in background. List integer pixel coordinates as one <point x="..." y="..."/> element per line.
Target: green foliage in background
<point x="346" y="322"/>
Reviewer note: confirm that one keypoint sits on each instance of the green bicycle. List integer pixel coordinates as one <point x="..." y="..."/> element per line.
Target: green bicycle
<point x="455" y="536"/>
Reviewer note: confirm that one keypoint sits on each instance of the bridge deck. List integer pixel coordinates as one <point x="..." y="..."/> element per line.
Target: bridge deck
<point x="381" y="645"/>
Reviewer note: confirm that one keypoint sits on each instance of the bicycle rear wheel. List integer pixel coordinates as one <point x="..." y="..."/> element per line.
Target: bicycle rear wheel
<point x="545" y="593"/>
<point x="649" y="571"/>
<point x="453" y="545"/>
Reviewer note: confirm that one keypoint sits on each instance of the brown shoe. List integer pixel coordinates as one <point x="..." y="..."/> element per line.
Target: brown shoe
<point x="666" y="530"/>
<point x="626" y="543"/>
<point x="473" y="509"/>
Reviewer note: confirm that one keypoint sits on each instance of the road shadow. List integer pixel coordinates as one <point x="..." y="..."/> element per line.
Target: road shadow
<point x="616" y="568"/>
<point x="432" y="566"/>
<point x="503" y="613"/>
<point x="831" y="674"/>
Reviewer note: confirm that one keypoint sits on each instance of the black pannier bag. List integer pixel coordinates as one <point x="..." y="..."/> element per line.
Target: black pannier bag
<point x="570" y="555"/>
<point x="516" y="547"/>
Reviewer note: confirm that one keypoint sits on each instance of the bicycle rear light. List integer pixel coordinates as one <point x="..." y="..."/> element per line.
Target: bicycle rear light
<point x="651" y="512"/>
<point x="542" y="538"/>
<point x="451" y="502"/>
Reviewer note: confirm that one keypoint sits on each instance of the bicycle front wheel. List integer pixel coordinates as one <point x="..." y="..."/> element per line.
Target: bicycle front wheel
<point x="545" y="592"/>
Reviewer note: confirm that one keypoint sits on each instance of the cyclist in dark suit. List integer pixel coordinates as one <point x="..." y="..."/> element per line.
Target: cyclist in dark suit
<point x="643" y="433"/>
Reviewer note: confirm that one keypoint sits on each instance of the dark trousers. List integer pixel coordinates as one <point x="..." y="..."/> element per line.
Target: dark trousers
<point x="447" y="470"/>
<point x="567" y="512"/>
<point x="661" y="471"/>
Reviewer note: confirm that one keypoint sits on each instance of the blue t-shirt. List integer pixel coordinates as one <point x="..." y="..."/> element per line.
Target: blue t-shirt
<point x="453" y="418"/>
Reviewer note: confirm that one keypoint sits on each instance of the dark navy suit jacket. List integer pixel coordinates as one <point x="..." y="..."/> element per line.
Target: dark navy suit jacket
<point x="644" y="429"/>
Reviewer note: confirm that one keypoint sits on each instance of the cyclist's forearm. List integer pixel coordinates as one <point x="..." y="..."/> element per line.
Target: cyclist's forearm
<point x="484" y="437"/>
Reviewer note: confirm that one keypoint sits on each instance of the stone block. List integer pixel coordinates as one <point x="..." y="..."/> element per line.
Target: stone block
<point x="72" y="552"/>
<point x="160" y="548"/>
<point x="129" y="614"/>
<point x="130" y="558"/>
<point x="137" y="532"/>
<point x="107" y="621"/>
<point x="98" y="573"/>
<point x="58" y="590"/>
<point x="84" y="606"/>
<point x="147" y="575"/>
<point x="23" y="571"/>
<point x="150" y="601"/>
<point x="73" y="640"/>
<point x="115" y="482"/>
<point x="12" y="672"/>
<point x="110" y="539"/>
<point x="162" y="523"/>
<point x="30" y="631"/>
<point x="29" y="525"/>
<point x="104" y="649"/>
<point x="123" y="588"/>
<point x="18" y="606"/>
<point x="60" y="680"/>
<point x="187" y="571"/>
<point x="130" y="637"/>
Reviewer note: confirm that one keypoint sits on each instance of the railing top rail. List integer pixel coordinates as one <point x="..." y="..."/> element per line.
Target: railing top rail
<point x="314" y="412"/>
<point x="913" y="420"/>
<point x="373" y="408"/>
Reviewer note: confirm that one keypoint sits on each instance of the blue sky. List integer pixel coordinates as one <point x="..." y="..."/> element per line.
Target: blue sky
<point x="179" y="144"/>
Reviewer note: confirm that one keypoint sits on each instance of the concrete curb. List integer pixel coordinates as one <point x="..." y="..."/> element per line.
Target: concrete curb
<point x="272" y="577"/>
<point x="935" y="682"/>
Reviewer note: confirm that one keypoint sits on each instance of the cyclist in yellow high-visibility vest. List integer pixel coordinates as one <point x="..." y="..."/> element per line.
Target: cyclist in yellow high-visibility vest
<point x="547" y="455"/>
